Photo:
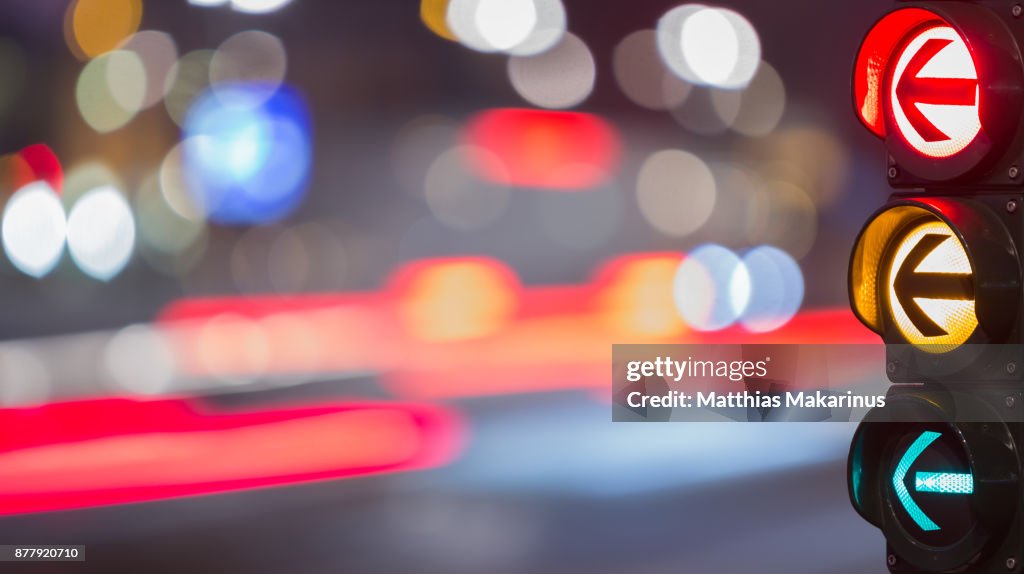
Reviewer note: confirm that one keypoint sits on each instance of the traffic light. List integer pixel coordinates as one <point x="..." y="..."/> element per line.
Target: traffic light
<point x="936" y="273"/>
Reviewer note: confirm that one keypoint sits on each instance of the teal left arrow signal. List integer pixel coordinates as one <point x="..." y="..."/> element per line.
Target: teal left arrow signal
<point x="934" y="482"/>
<point x="944" y="482"/>
<point x="915" y="450"/>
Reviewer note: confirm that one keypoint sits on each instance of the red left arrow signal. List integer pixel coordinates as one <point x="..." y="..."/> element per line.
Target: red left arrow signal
<point x="912" y="90"/>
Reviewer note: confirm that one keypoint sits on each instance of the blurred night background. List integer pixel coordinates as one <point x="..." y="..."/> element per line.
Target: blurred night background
<point x="312" y="286"/>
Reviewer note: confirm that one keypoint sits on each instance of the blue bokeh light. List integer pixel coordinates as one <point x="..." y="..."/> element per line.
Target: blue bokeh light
<point x="247" y="152"/>
<point x="711" y="288"/>
<point x="777" y="289"/>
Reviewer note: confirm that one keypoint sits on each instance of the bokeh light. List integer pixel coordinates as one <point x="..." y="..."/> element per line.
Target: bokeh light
<point x="93" y="27"/>
<point x="15" y="172"/>
<point x="702" y="114"/>
<point x="101" y="232"/>
<point x="758" y="109"/>
<point x="174" y="186"/>
<point x="187" y="78"/>
<point x="636" y="295"/>
<point x="547" y="32"/>
<point x="561" y="77"/>
<point x="545" y="149"/>
<point x="505" y="23"/>
<point x="140" y="360"/>
<point x="86" y="176"/>
<point x="641" y="75"/>
<point x="259" y="6"/>
<point x="434" y="14"/>
<point x="111" y="89"/>
<point x="519" y="27"/>
<point x="776" y="289"/>
<point x="492" y="25"/>
<point x="252" y="56"/>
<point x="168" y="240"/>
<point x="295" y="341"/>
<point x="676" y="192"/>
<point x="27" y="379"/>
<point x="247" y="153"/>
<point x="34" y="229"/>
<point x="43" y="165"/>
<point x="232" y="347"/>
<point x="456" y="299"/>
<point x="711" y="288"/>
<point x="126" y="80"/>
<point x="709" y="46"/>
<point x="158" y="53"/>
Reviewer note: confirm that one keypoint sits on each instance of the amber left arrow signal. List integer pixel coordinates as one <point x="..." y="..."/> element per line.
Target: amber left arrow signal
<point x="911" y="285"/>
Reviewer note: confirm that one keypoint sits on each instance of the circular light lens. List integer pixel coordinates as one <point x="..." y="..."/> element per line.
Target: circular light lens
<point x="934" y="93"/>
<point x="932" y="485"/>
<point x="930" y="287"/>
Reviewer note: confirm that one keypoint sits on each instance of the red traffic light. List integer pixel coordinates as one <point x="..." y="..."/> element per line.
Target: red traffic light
<point x="943" y="86"/>
<point x="933" y="93"/>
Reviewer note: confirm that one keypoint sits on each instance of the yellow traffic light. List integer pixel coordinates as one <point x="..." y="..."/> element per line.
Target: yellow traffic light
<point x="930" y="287"/>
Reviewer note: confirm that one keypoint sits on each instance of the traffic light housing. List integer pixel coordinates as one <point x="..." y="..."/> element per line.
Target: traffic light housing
<point x="936" y="54"/>
<point x="938" y="278"/>
<point x="947" y="495"/>
<point x="936" y="273"/>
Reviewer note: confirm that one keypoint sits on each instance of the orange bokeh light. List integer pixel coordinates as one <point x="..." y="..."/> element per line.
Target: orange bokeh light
<point x="434" y="14"/>
<point x="93" y="27"/>
<point x="455" y="299"/>
<point x="636" y="296"/>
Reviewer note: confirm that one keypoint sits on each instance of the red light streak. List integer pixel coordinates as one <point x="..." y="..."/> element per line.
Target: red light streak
<point x="91" y="453"/>
<point x="557" y="337"/>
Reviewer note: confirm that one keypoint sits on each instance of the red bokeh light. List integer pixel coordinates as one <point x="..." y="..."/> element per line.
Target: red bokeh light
<point x="544" y="149"/>
<point x="43" y="165"/>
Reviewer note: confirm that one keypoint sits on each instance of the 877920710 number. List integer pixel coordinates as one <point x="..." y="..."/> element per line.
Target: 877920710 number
<point x="47" y="553"/>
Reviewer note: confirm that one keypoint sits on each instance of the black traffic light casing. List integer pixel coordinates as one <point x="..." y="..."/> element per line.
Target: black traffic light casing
<point x="999" y="60"/>
<point x="994" y="31"/>
<point x="991" y="228"/>
<point x="956" y="410"/>
<point x="986" y="424"/>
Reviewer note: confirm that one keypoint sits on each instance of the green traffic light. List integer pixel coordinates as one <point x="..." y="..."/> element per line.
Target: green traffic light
<point x="931" y="482"/>
<point x="944" y="482"/>
<point x="915" y="450"/>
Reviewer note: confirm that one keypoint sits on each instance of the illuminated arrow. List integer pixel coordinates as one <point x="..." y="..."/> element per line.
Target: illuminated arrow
<point x="913" y="90"/>
<point x="944" y="482"/>
<point x="937" y="482"/>
<point x="911" y="285"/>
<point x="915" y="450"/>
